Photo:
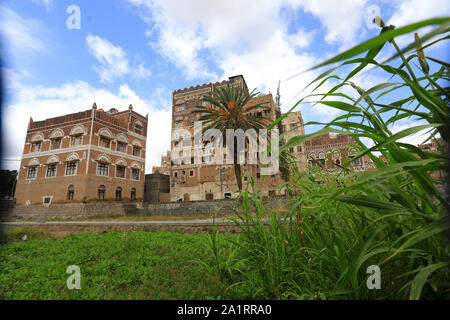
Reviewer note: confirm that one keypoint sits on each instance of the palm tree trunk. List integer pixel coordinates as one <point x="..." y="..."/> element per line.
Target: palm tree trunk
<point x="237" y="171"/>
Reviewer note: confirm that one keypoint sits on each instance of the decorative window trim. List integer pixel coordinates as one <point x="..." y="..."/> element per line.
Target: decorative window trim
<point x="78" y="130"/>
<point x="52" y="159"/>
<point x="105" y="132"/>
<point x="103" y="158"/>
<point x="57" y="134"/>
<point x="122" y="138"/>
<point x="37" y="137"/>
<point x="33" y="162"/>
<point x="73" y="157"/>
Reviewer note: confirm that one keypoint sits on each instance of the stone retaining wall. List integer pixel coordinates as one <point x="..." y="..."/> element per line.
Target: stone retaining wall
<point x="70" y="211"/>
<point x="79" y="211"/>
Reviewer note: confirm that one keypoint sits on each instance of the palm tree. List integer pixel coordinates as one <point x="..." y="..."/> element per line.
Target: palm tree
<point x="228" y="109"/>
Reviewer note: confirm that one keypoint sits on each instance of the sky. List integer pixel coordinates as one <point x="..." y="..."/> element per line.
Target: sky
<point x="138" y="52"/>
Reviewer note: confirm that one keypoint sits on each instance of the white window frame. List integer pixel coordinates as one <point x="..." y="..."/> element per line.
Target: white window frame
<point x="102" y="175"/>
<point x="139" y="174"/>
<point x="76" y="169"/>
<point x="76" y="136"/>
<point x="35" y="176"/>
<point x="125" y="176"/>
<point x="56" y="170"/>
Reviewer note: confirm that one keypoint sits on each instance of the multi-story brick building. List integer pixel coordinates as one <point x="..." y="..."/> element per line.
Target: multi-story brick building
<point x="330" y="151"/>
<point x="87" y="156"/>
<point x="292" y="125"/>
<point x="199" y="181"/>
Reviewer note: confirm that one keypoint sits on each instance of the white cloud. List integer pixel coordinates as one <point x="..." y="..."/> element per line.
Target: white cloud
<point x="342" y="19"/>
<point x="410" y="11"/>
<point x="41" y="102"/>
<point x="114" y="61"/>
<point x="46" y="3"/>
<point x="22" y="35"/>
<point x="248" y="38"/>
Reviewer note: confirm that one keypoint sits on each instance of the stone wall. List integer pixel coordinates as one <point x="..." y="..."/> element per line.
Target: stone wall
<point x="80" y="211"/>
<point x="71" y="211"/>
<point x="221" y="206"/>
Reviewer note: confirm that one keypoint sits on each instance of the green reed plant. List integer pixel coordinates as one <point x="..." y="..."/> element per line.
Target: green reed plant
<point x="341" y="222"/>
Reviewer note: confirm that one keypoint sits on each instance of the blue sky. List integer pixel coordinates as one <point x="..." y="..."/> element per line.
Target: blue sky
<point x="139" y="51"/>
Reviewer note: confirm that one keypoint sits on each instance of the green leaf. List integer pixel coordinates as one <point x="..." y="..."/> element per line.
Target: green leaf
<point x="421" y="278"/>
<point x="381" y="39"/>
<point x="371" y="202"/>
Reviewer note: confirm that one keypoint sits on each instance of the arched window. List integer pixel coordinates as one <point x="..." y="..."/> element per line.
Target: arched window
<point x="70" y="192"/>
<point x="118" y="194"/>
<point x="101" y="192"/>
<point x="133" y="194"/>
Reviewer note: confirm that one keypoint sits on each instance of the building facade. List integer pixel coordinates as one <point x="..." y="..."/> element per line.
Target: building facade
<point x="204" y="181"/>
<point x="292" y="125"/>
<point x="89" y="156"/>
<point x="330" y="151"/>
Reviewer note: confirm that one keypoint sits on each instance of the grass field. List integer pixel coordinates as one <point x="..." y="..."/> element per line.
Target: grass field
<point x="133" y="265"/>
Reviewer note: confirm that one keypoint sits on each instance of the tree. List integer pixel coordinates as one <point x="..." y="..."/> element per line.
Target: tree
<point x="8" y="185"/>
<point x="228" y="109"/>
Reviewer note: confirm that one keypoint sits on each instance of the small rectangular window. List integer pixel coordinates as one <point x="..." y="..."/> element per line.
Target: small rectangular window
<point x="135" y="174"/>
<point x="102" y="169"/>
<point x="120" y="172"/>
<point x="47" y="200"/>
<point x="136" y="151"/>
<point x="105" y="143"/>
<point x="56" y="144"/>
<point x="51" y="170"/>
<point x="36" y="147"/>
<point x="75" y="140"/>
<point x="32" y="172"/>
<point x="121" y="147"/>
<point x="71" y="168"/>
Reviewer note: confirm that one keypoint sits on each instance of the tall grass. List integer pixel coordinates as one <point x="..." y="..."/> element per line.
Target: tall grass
<point x="340" y="223"/>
